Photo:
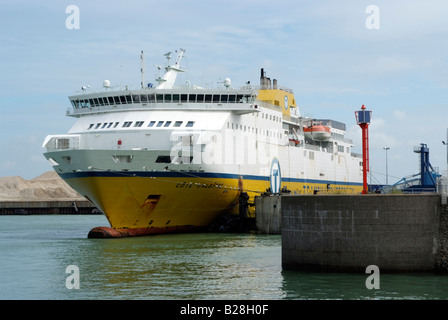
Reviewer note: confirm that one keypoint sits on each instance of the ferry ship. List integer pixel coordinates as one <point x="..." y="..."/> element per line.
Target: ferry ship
<point x="167" y="158"/>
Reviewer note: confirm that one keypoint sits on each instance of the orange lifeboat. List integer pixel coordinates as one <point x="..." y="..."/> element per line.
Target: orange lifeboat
<point x="317" y="132"/>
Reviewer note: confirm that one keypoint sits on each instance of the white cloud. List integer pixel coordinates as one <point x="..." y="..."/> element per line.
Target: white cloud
<point x="390" y="64"/>
<point x="398" y="114"/>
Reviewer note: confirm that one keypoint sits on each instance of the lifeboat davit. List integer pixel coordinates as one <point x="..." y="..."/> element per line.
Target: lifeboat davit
<point x="317" y="132"/>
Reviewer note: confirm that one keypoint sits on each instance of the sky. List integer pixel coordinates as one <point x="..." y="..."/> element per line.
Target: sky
<point x="335" y="55"/>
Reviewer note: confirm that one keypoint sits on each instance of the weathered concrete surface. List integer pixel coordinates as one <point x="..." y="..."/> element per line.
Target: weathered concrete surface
<point x="268" y="214"/>
<point x="442" y="256"/>
<point x="350" y="232"/>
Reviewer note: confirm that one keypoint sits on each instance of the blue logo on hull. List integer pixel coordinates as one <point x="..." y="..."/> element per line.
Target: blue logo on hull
<point x="275" y="176"/>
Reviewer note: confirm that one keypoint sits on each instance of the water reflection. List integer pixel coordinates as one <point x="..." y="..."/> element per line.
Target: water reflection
<point x="36" y="250"/>
<point x="186" y="266"/>
<point x="351" y="286"/>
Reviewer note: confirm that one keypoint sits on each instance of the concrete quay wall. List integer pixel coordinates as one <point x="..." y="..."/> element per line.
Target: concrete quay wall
<point x="350" y="232"/>
<point x="47" y="207"/>
<point x="268" y="218"/>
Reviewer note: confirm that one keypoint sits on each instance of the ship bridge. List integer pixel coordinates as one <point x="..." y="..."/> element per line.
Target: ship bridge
<point x="240" y="101"/>
<point x="166" y="96"/>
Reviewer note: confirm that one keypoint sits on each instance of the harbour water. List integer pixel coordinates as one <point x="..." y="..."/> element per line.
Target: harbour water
<point x="36" y="251"/>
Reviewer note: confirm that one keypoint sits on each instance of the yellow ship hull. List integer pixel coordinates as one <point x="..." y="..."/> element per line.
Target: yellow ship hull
<point x="140" y="204"/>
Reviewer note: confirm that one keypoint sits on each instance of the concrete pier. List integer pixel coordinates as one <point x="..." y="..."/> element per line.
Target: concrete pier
<point x="268" y="218"/>
<point x="47" y="207"/>
<point x="349" y="232"/>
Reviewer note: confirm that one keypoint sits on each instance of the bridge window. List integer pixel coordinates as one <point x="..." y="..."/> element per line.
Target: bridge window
<point x="178" y="123"/>
<point x="183" y="98"/>
<point x="151" y="124"/>
<point x="127" y="124"/>
<point x="192" y="98"/>
<point x="190" y="124"/>
<point x="160" y="123"/>
<point x="167" y="124"/>
<point x="208" y="98"/>
<point x="163" y="159"/>
<point x="138" y="124"/>
<point x="175" y="98"/>
<point x="122" y="158"/>
<point x="200" y="98"/>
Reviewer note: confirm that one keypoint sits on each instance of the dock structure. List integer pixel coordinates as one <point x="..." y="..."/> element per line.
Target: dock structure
<point x="31" y="207"/>
<point x="397" y="233"/>
<point x="268" y="217"/>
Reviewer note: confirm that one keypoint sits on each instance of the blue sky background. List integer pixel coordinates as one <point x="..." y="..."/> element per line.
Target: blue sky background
<point x="320" y="49"/>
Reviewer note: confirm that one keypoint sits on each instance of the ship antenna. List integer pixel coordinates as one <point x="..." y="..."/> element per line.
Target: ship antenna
<point x="168" y="57"/>
<point x="142" y="68"/>
<point x="168" y="79"/>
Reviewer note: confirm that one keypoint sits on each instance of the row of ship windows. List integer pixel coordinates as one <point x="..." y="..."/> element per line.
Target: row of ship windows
<point x="163" y="98"/>
<point x="270" y="116"/>
<point x="177" y="124"/>
<point x="269" y="133"/>
<point x="138" y="124"/>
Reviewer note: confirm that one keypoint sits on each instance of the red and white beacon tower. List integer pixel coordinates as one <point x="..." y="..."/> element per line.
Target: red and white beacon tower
<point x="363" y="119"/>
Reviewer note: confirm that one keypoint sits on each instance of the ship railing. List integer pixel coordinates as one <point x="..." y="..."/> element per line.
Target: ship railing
<point x="312" y="147"/>
<point x="341" y="138"/>
<point x="238" y="107"/>
<point x="273" y="87"/>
